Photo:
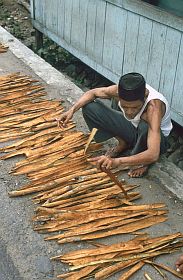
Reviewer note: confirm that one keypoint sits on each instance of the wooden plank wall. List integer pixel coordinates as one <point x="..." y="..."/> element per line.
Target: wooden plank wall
<point x="115" y="40"/>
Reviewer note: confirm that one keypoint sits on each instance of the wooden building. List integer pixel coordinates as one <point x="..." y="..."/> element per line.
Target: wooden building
<point x="119" y="36"/>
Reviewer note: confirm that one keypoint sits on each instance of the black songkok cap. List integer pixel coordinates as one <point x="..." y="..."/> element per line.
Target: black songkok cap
<point x="131" y="87"/>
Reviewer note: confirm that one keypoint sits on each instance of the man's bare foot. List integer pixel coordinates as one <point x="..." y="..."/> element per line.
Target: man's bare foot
<point x="179" y="264"/>
<point x="138" y="171"/>
<point x="114" y="152"/>
<point x="118" y="149"/>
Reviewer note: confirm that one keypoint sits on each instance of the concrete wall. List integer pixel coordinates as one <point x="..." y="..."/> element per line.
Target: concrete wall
<point x="119" y="36"/>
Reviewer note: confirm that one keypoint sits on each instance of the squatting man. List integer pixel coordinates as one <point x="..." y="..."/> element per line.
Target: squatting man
<point x="138" y="117"/>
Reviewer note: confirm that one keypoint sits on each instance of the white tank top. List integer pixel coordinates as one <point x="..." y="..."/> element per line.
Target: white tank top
<point x="166" y="124"/>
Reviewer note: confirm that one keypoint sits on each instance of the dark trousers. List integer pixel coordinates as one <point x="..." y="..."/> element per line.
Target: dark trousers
<point x="110" y="122"/>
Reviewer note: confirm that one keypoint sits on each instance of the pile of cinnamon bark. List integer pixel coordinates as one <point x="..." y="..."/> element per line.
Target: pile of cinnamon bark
<point x="76" y="201"/>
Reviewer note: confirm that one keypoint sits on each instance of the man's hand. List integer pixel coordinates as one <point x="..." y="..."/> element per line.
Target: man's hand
<point x="104" y="162"/>
<point x="179" y="264"/>
<point x="65" y="118"/>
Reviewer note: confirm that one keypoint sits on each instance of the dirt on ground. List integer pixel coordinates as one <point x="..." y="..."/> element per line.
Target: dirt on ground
<point x="16" y="19"/>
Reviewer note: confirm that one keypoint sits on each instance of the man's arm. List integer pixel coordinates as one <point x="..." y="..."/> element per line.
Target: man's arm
<point x="87" y="97"/>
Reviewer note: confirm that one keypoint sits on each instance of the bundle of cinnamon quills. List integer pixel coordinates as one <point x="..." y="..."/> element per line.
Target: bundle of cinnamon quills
<point x="127" y="257"/>
<point x="3" y="48"/>
<point x="98" y="221"/>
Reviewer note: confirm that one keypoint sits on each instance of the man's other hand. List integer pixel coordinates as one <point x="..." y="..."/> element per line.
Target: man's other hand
<point x="179" y="264"/>
<point x="104" y="162"/>
<point x="65" y="118"/>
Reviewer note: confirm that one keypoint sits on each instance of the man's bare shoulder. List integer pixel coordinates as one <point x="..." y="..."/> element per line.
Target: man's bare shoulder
<point x="156" y="106"/>
<point x="154" y="112"/>
<point x="106" y="92"/>
<point x="112" y="91"/>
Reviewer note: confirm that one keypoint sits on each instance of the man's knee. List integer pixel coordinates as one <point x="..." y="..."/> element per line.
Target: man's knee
<point x="88" y="108"/>
<point x="143" y="128"/>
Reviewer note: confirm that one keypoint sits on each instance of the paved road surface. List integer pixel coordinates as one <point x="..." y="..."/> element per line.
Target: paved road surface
<point x="8" y="270"/>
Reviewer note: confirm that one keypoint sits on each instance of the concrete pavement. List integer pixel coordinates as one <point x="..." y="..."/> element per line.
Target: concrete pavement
<point x="24" y="251"/>
<point x="7" y="268"/>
